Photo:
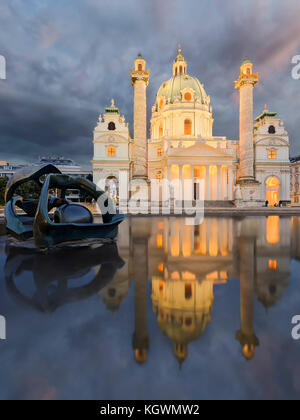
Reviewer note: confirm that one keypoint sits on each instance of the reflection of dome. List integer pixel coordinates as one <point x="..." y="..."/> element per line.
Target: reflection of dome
<point x="173" y="87"/>
<point x="183" y="310"/>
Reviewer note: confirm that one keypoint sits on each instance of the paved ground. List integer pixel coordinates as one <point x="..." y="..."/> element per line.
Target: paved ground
<point x="226" y="212"/>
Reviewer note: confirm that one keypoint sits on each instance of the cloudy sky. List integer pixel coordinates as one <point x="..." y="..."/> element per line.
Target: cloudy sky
<point x="66" y="59"/>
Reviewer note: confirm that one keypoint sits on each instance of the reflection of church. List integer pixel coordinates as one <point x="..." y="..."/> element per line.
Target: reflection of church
<point x="185" y="263"/>
<point x="182" y="146"/>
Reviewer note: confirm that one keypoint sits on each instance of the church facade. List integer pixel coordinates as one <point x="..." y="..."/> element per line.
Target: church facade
<point x="247" y="171"/>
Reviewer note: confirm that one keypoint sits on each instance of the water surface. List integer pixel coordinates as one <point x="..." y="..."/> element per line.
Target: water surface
<point x="170" y="311"/>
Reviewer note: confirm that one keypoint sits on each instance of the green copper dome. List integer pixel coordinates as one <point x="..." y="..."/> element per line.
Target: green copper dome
<point x="173" y="87"/>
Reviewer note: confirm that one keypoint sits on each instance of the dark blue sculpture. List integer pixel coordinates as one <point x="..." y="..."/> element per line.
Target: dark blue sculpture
<point x="69" y="221"/>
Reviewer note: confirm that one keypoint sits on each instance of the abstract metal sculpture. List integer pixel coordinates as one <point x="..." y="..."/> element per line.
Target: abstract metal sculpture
<point x="69" y="221"/>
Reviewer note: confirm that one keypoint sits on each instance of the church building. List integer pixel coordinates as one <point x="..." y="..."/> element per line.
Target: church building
<point x="244" y="172"/>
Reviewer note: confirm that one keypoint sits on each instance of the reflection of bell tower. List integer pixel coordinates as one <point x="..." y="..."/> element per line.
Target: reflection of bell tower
<point x="139" y="265"/>
<point x="246" y="335"/>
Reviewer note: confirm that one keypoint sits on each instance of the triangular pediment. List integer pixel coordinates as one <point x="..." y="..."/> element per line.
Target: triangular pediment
<point x="200" y="150"/>
<point x="111" y="138"/>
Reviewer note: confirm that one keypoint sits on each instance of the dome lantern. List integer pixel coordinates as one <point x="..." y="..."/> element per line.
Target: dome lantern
<point x="179" y="65"/>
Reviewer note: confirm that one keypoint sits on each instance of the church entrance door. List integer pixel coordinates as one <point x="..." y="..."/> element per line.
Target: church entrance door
<point x="272" y="191"/>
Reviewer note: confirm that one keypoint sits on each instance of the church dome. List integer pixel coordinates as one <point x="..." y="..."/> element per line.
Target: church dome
<point x="174" y="86"/>
<point x="180" y="84"/>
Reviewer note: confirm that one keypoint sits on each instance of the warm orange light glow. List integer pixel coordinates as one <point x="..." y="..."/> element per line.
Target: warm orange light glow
<point x="272" y="265"/>
<point x="212" y="276"/>
<point x="159" y="241"/>
<point x="186" y="275"/>
<point x="175" y="275"/>
<point x="160" y="267"/>
<point x="111" y="151"/>
<point x="161" y="286"/>
<point x="187" y="241"/>
<point x="214" y="240"/>
<point x="187" y="127"/>
<point x="272" y="191"/>
<point x="273" y="230"/>
<point x="188" y="96"/>
<point x="272" y="154"/>
<point x="159" y="152"/>
<point x="161" y="131"/>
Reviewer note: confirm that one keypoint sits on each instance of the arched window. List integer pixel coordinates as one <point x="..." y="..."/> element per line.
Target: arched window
<point x="187" y="127"/>
<point x="161" y="103"/>
<point x="272" y="129"/>
<point x="111" y="126"/>
<point x="140" y="67"/>
<point x="111" y="151"/>
<point x="180" y="70"/>
<point x="159" y="152"/>
<point x="176" y="71"/>
<point x="187" y="96"/>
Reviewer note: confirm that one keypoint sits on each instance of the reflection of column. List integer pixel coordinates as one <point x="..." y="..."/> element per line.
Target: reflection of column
<point x="140" y="235"/>
<point x="219" y="182"/>
<point x="246" y="335"/>
<point x="207" y="195"/>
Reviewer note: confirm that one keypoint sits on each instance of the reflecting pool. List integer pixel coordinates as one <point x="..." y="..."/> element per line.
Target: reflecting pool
<point x="169" y="311"/>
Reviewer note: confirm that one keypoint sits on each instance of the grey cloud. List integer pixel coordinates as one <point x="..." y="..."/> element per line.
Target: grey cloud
<point x="65" y="63"/>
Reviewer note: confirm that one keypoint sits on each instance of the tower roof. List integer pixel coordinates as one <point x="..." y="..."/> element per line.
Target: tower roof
<point x="246" y="60"/>
<point x="112" y="109"/>
<point x="266" y="114"/>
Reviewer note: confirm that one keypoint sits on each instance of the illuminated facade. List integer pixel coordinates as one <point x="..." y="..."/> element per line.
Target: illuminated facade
<point x="246" y="172"/>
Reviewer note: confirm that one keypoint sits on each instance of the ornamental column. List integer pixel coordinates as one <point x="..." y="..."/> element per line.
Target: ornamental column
<point x="140" y="81"/>
<point x="245" y="84"/>
<point x="248" y="192"/>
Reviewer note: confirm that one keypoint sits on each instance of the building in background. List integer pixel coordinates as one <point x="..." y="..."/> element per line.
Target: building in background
<point x="67" y="167"/>
<point x="7" y="169"/>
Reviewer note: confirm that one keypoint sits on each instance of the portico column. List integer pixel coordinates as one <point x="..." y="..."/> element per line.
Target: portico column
<point x="193" y="181"/>
<point x="207" y="184"/>
<point x="230" y="182"/>
<point x="219" y="182"/>
<point x="181" y="186"/>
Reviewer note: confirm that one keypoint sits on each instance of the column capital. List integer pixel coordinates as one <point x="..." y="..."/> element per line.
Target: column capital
<point x="142" y="75"/>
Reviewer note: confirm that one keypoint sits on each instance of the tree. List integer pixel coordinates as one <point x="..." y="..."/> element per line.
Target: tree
<point x="3" y="182"/>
